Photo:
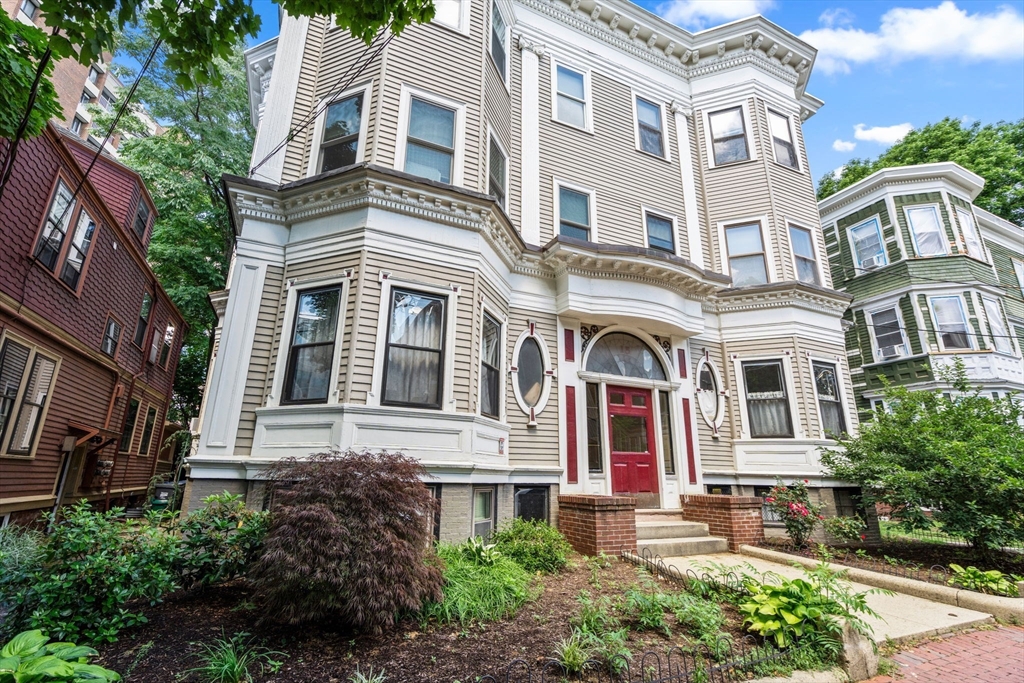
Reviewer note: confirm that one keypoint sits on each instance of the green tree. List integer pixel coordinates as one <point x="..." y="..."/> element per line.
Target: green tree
<point x="962" y="457"/>
<point x="993" y="151"/>
<point x="22" y="48"/>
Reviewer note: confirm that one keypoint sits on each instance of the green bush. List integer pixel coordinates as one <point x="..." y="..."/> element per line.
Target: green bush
<point x="475" y="591"/>
<point x="849" y="529"/>
<point x="218" y="541"/>
<point x="533" y="544"/>
<point x="228" y="660"/>
<point x="27" y="658"/>
<point x="20" y="548"/>
<point x="646" y="610"/>
<point x="993" y="581"/>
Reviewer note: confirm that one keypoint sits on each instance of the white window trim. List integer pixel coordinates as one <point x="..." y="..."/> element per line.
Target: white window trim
<point x="668" y="215"/>
<point x="502" y="319"/>
<point x="814" y="250"/>
<point x="34" y="350"/>
<point x="719" y="417"/>
<point x="531" y="331"/>
<point x="963" y="312"/>
<point x="943" y="238"/>
<point x="748" y="131"/>
<point x="462" y="28"/>
<point x="313" y="165"/>
<point x="769" y="253"/>
<point x="459" y="153"/>
<point x="666" y="147"/>
<point x="588" y="99"/>
<point x="791" y="121"/>
<point x="962" y="235"/>
<point x="492" y="135"/>
<point x="837" y="363"/>
<point x="293" y="288"/>
<point x="859" y="269"/>
<point x="451" y="292"/>
<point x="506" y="77"/>
<point x="1018" y="268"/>
<point x="556" y="205"/>
<point x="875" y="348"/>
<point x="787" y="371"/>
<point x="1008" y="338"/>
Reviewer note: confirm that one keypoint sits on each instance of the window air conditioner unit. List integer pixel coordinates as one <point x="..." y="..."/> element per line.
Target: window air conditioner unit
<point x="894" y="351"/>
<point x="871" y="263"/>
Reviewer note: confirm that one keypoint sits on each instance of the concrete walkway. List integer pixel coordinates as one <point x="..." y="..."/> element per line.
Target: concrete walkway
<point x="903" y="617"/>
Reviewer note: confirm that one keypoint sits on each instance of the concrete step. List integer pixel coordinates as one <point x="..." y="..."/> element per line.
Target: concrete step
<point x="681" y="547"/>
<point x="669" y="528"/>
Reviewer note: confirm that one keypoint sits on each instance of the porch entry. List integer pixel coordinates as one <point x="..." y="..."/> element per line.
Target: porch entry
<point x="631" y="435"/>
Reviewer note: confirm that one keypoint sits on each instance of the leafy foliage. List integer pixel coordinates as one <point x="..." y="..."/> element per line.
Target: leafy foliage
<point x="793" y="505"/>
<point x="349" y="539"/>
<point x="844" y="528"/>
<point x="219" y="541"/>
<point x="21" y="49"/>
<point x="91" y="566"/>
<point x="478" y="552"/>
<point x="991" y="581"/>
<point x="574" y="652"/>
<point x="993" y="151"/>
<point x="534" y="544"/>
<point x="30" y="657"/>
<point x="20" y="548"/>
<point x="962" y="457"/>
<point x="477" y="590"/>
<point x="228" y="660"/>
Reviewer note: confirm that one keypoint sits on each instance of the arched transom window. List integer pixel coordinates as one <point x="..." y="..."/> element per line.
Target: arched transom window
<point x="623" y="354"/>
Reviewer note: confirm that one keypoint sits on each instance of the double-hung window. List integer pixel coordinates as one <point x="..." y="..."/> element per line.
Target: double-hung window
<point x="147" y="431"/>
<point x="648" y="122"/>
<point x="94" y="74"/>
<point x="803" y="255"/>
<point x="660" y="233"/>
<point x="782" y="139"/>
<point x="490" y="368"/>
<point x="414" y="354"/>
<point x="26" y="378"/>
<point x="499" y="37"/>
<point x="145" y="311"/>
<point x="449" y="13"/>
<point x="889" y="342"/>
<point x="830" y="402"/>
<point x="728" y="136"/>
<point x="30" y="8"/>
<point x="496" y="173"/>
<point x="76" y="126"/>
<point x="111" y="337"/>
<point x="970" y="230"/>
<point x="106" y="99"/>
<point x="141" y="221"/>
<point x="339" y="146"/>
<point x="51" y="241"/>
<point x="926" y="228"/>
<point x="430" y="144"/>
<point x="869" y="252"/>
<point x="165" y="349"/>
<point x="746" y="255"/>
<point x="483" y="512"/>
<point x="311" y="354"/>
<point x="128" y="428"/>
<point x="573" y="214"/>
<point x="951" y="323"/>
<point x="570" y="96"/>
<point x="996" y="325"/>
<point x="71" y="273"/>
<point x="767" y="401"/>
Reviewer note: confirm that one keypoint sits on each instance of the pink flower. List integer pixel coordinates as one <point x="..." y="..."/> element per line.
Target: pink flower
<point x="821" y="517"/>
<point x="769" y="500"/>
<point x="807" y="481"/>
<point x="863" y="537"/>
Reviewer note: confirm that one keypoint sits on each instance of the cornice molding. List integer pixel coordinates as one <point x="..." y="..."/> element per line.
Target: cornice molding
<point x="819" y="302"/>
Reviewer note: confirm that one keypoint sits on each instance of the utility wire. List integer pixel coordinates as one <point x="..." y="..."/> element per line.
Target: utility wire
<point x="340" y="86"/>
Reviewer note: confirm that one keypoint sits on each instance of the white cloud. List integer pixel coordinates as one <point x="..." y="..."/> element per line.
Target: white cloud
<point x="943" y="31"/>
<point x="838" y="172"/>
<point x="837" y="16"/>
<point x="844" y="146"/>
<point x="697" y="14"/>
<point x="883" y="135"/>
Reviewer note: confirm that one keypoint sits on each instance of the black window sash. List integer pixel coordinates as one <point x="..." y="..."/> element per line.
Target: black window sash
<point x="388" y="345"/>
<point x="293" y="350"/>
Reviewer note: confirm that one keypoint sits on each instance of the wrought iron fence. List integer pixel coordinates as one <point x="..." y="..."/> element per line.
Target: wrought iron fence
<point x="892" y="532"/>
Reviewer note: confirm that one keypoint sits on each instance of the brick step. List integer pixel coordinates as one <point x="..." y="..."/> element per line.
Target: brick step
<point x="669" y="528"/>
<point x="679" y="547"/>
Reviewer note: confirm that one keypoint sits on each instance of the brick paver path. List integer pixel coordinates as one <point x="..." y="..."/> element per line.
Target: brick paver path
<point x="995" y="656"/>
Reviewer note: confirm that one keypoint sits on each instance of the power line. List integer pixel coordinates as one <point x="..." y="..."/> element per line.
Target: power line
<point x="339" y="86"/>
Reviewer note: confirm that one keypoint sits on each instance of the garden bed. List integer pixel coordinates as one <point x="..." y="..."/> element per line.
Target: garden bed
<point x="169" y="644"/>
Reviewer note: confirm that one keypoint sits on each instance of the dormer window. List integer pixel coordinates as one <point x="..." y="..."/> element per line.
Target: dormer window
<point x="141" y="219"/>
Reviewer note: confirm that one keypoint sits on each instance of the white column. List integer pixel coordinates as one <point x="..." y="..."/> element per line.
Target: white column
<point x="682" y="114"/>
<point x="530" y="136"/>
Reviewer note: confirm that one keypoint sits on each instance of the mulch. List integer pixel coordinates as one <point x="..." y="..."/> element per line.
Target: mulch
<point x="167" y="647"/>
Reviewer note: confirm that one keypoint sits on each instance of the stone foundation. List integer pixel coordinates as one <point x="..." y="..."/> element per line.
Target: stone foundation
<point x="734" y="518"/>
<point x="595" y="524"/>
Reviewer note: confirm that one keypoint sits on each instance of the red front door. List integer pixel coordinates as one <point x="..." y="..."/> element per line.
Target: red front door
<point x="631" y="434"/>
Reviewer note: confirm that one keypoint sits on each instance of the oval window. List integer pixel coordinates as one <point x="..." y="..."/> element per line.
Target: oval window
<point x="709" y="398"/>
<point x="530" y="372"/>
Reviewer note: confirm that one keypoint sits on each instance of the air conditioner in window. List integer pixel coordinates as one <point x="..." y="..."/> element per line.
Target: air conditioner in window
<point x="872" y="263"/>
<point x="894" y="351"/>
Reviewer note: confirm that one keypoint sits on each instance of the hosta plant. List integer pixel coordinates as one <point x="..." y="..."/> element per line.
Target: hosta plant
<point x="992" y="581"/>
<point x="29" y="657"/>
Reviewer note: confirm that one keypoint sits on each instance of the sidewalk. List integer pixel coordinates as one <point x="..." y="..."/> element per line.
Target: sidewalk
<point x="995" y="656"/>
<point x="903" y="617"/>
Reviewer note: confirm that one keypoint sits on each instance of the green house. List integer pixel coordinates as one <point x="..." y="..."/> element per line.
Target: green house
<point x="932" y="276"/>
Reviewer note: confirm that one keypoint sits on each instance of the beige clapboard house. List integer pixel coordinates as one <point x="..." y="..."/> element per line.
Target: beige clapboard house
<point x="542" y="247"/>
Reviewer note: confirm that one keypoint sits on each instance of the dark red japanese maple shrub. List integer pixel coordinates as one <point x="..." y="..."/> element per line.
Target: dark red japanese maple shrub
<point x="349" y="539"/>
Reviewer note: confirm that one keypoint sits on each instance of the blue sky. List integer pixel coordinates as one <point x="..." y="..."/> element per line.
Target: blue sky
<point x="883" y="66"/>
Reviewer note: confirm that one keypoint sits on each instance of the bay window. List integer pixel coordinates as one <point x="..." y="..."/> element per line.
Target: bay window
<point x="728" y="136"/>
<point x="574" y="214"/>
<point x="889" y="341"/>
<point x="660" y="232"/>
<point x="339" y="146"/>
<point x="414" y="350"/>
<point x="830" y="403"/>
<point x="746" y="255"/>
<point x="782" y="139"/>
<point x="951" y="323"/>
<point x="767" y="400"/>
<point x="311" y="352"/>
<point x="803" y="255"/>
<point x="430" y="143"/>
<point x="970" y="230"/>
<point x="868" y="248"/>
<point x="997" y="326"/>
<point x="926" y="229"/>
<point x="490" y="368"/>
<point x="496" y="174"/>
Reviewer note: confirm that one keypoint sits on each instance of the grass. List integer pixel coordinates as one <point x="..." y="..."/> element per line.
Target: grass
<point x="229" y="660"/>
<point x="475" y="592"/>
